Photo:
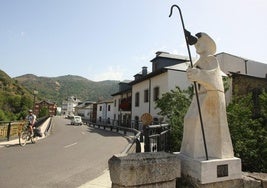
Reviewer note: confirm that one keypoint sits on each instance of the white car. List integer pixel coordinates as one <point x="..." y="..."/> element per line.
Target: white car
<point x="76" y="120"/>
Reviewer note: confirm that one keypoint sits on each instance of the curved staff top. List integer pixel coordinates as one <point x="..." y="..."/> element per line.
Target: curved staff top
<point x="192" y="40"/>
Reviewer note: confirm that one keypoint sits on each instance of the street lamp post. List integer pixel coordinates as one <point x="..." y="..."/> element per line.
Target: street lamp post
<point x="35" y="92"/>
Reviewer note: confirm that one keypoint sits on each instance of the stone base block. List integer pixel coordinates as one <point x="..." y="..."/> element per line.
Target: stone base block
<point x="169" y="184"/>
<point x="210" y="171"/>
<point x="147" y="170"/>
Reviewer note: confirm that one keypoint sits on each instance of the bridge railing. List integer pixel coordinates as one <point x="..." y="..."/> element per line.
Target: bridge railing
<point x="11" y="129"/>
<point x="157" y="138"/>
<point x="134" y="146"/>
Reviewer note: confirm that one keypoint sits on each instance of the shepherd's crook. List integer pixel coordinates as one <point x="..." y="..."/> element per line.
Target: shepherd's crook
<point x="195" y="84"/>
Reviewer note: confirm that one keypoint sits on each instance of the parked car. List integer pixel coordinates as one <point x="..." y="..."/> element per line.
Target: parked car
<point x="76" y="120"/>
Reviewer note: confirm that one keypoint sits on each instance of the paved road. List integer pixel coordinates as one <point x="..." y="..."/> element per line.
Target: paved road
<point x="69" y="157"/>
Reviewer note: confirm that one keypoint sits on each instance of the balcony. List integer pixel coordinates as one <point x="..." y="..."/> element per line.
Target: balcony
<point x="126" y="104"/>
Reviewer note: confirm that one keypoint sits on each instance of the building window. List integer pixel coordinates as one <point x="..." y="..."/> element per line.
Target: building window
<point x="108" y="107"/>
<point x="119" y="102"/>
<point x="100" y="108"/>
<point x="136" y="122"/>
<point x="137" y="99"/>
<point x="146" y="95"/>
<point x="115" y="103"/>
<point x="156" y="93"/>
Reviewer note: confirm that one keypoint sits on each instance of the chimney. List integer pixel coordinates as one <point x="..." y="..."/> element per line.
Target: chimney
<point x="161" y="52"/>
<point x="144" y="71"/>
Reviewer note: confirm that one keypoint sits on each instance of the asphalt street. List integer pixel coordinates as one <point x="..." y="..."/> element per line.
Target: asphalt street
<point x="69" y="157"/>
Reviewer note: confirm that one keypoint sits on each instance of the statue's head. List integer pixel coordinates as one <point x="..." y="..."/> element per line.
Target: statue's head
<point x="205" y="44"/>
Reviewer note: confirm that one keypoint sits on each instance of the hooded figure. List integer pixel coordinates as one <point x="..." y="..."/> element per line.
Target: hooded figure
<point x="207" y="74"/>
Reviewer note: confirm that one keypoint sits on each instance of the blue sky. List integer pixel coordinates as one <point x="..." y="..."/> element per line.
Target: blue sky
<point x="113" y="39"/>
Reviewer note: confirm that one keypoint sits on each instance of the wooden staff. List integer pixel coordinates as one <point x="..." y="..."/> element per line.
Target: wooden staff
<point x="191" y="39"/>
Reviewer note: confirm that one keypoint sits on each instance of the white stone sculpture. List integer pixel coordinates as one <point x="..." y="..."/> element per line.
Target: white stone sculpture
<point x="207" y="74"/>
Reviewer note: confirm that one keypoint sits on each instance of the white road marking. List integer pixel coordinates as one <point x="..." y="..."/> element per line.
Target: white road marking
<point x="67" y="146"/>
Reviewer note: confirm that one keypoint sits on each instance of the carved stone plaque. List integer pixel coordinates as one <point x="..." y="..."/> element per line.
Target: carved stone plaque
<point x="222" y="170"/>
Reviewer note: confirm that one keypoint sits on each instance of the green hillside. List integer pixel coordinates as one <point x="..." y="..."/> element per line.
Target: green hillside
<point x="56" y="89"/>
<point x="15" y="99"/>
<point x="16" y="94"/>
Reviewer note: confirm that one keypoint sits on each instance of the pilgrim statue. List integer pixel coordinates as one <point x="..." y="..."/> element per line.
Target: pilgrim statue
<point x="208" y="76"/>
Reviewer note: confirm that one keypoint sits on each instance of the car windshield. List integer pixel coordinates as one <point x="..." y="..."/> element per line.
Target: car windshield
<point x="77" y="118"/>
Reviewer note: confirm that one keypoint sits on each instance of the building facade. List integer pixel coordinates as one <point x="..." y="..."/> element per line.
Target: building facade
<point x="85" y="109"/>
<point x="139" y="96"/>
<point x="234" y="65"/>
<point x="231" y="63"/>
<point x="46" y="106"/>
<point x="104" y="111"/>
<point x="122" y="102"/>
<point x="68" y="106"/>
<point x="168" y="72"/>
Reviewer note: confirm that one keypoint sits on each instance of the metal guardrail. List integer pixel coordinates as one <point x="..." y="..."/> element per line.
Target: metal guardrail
<point x="157" y="138"/>
<point x="125" y="130"/>
<point x="136" y="142"/>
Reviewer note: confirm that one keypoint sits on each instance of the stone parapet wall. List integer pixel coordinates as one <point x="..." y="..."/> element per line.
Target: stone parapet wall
<point x="163" y="170"/>
<point x="144" y="170"/>
<point x="255" y="179"/>
<point x="249" y="180"/>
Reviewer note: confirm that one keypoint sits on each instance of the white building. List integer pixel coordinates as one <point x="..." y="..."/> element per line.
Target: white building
<point x="169" y="71"/>
<point x="85" y="109"/>
<point x="231" y="63"/>
<point x="122" y="102"/>
<point x="104" y="111"/>
<point x="68" y="106"/>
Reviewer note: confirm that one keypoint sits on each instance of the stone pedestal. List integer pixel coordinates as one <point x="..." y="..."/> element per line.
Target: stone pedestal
<point x="144" y="170"/>
<point x="210" y="171"/>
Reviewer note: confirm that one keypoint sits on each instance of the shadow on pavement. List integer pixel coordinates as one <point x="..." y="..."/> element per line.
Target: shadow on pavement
<point x="108" y="133"/>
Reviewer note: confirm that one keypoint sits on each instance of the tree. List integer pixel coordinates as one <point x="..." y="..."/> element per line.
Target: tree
<point x="43" y="112"/>
<point x="247" y="122"/>
<point x="2" y="116"/>
<point x="174" y="105"/>
<point x="249" y="132"/>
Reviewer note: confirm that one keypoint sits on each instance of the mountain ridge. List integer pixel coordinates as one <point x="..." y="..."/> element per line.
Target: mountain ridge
<point x="16" y="94"/>
<point x="56" y="89"/>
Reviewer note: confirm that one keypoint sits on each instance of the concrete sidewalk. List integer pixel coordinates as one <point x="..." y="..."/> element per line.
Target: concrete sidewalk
<point x="15" y="142"/>
<point x="102" y="181"/>
<point x="9" y="143"/>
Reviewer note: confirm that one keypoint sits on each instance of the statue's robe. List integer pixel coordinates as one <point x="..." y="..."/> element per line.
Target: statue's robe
<point x="213" y="110"/>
